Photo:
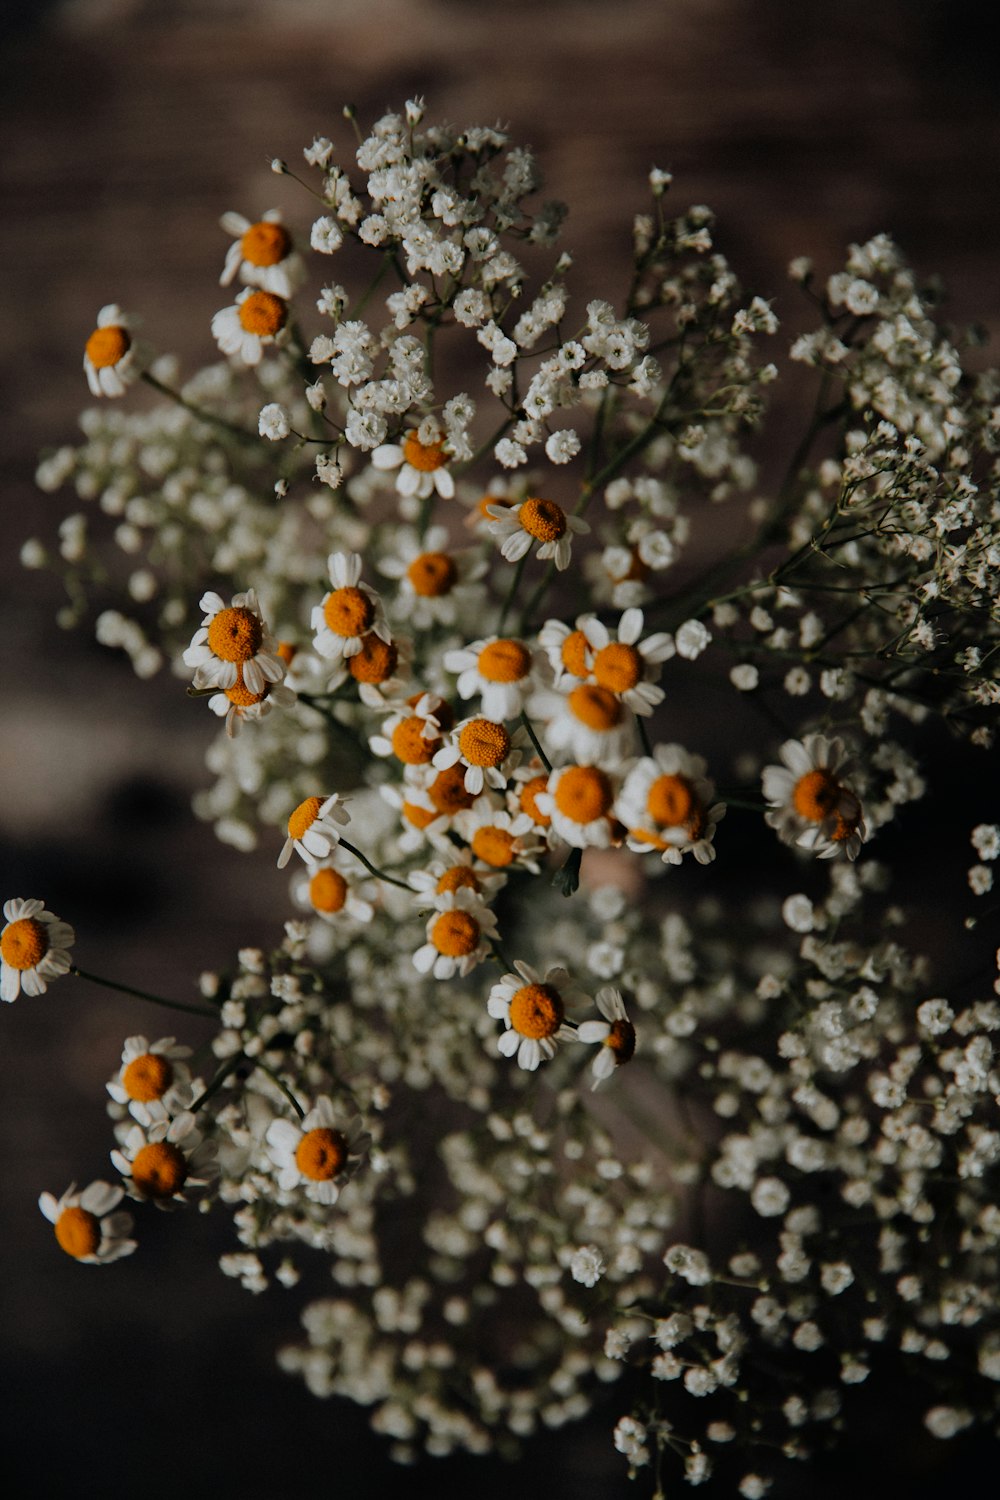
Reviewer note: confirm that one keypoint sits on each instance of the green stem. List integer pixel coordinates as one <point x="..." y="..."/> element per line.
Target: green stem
<point x="511" y="593"/>
<point x="534" y="740"/>
<point x="197" y="411"/>
<point x="212" y="1088"/>
<point x="379" y="874"/>
<point x="127" y="989"/>
<point x="282" y="1086"/>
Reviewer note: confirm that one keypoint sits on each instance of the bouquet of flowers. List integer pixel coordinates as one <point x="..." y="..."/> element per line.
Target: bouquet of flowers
<point x="566" y="1077"/>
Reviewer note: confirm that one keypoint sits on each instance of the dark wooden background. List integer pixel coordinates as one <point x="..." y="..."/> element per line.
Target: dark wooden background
<point x="128" y="126"/>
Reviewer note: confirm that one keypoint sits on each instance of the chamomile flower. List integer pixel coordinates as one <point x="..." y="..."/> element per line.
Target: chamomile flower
<point x="666" y="804"/>
<point x="518" y="527"/>
<point x="625" y="664"/>
<point x="615" y="1035"/>
<point x="232" y="645"/>
<point x="459" y="932"/>
<point x="349" y="613"/>
<point x="485" y="748"/>
<point x="316" y="1155"/>
<point x="429" y="801"/>
<point x="161" y="1161"/>
<point x="499" y="838"/>
<point x="809" y="804"/>
<point x="533" y="1011"/>
<point x="109" y="358"/>
<point x="503" y="671"/>
<point x="580" y="801"/>
<point x="87" y="1225"/>
<point x="262" y="254"/>
<point x="588" y="722"/>
<point x="436" y="585"/>
<point x="528" y="783"/>
<point x="34" y="948"/>
<point x="314" y="829"/>
<point x="328" y="893"/>
<point x="153" y="1079"/>
<point x="421" y="459"/>
<point x="236" y="704"/>
<point x="413" y="732"/>
<point x="455" y="870"/>
<point x="567" y="649"/>
<point x="255" y="320"/>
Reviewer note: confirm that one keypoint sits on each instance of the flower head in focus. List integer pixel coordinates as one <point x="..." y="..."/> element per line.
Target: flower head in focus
<point x="232" y="646"/>
<point x="666" y="804"/>
<point x="248" y="326"/>
<point x="109" y="359"/>
<point x="809" y="804"/>
<point x="34" y="948"/>
<point x="160" y="1161"/>
<point x="533" y="1010"/>
<point x="86" y="1224"/>
<point x="314" y="829"/>
<point x="262" y="254"/>
<point x="316" y="1154"/>
<point x="519" y="527"/>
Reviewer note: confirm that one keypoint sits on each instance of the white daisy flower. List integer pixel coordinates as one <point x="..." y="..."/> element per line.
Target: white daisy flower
<point x="485" y="748"/>
<point x="109" y="358"/>
<point x="533" y="1010"/>
<point x="627" y="665"/>
<point x="232" y="645"/>
<point x="314" y="829"/>
<point x="421" y="462"/>
<point x="153" y="1080"/>
<point x="428" y="802"/>
<point x="454" y="870"/>
<point x="458" y="935"/>
<point x="256" y="319"/>
<point x="567" y="649"/>
<point x="518" y="527"/>
<point x="160" y="1161"/>
<point x="666" y="804"/>
<point x="413" y="733"/>
<point x="262" y="254"/>
<point x="580" y="801"/>
<point x="381" y="669"/>
<point x="809" y="805"/>
<point x="499" y="838"/>
<point x="314" y="1154"/>
<point x="236" y="704"/>
<point x="502" y="670"/>
<point x="589" y="723"/>
<point x="527" y="784"/>
<point x="615" y="1035"/>
<point x="436" y="585"/>
<point x="86" y="1224"/>
<point x="349" y="613"/>
<point x="34" y="948"/>
<point x="327" y="892"/>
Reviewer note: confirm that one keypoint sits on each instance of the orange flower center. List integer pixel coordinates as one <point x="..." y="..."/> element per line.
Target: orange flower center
<point x="24" y="943"/>
<point x="595" y="707"/>
<point x="583" y="794"/>
<point x="618" y="667"/>
<point x="484" y="743"/>
<point x="504" y="661"/>
<point x="263" y="313"/>
<point x="159" y="1170"/>
<point x="147" y="1077"/>
<point x="494" y="846"/>
<point x="240" y="695"/>
<point x="536" y="1010"/>
<point x="621" y="1040"/>
<point x="348" y="611"/>
<point x="304" y="817"/>
<point x="455" y="934"/>
<point x="816" y="795"/>
<point x="432" y="574"/>
<point x="409" y="744"/>
<point x="529" y="792"/>
<point x="321" y="1154"/>
<point x="287" y="652"/>
<point x="499" y="500"/>
<point x="457" y="877"/>
<point x="78" y="1232"/>
<point x="671" y="801"/>
<point x="543" y="519"/>
<point x="420" y="817"/>
<point x="447" y="791"/>
<point x="423" y="456"/>
<point x="375" y="662"/>
<point x="235" y="634"/>
<point x="574" y="653"/>
<point x="106" y="346"/>
<point x="328" y="890"/>
<point x="264" y="243"/>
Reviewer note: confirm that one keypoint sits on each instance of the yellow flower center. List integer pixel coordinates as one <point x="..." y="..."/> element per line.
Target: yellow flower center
<point x="240" y="695"/>
<point x="147" y="1077"/>
<point x="264" y="243"/>
<point x="583" y="793"/>
<point x="235" y="634"/>
<point x="618" y="667"/>
<point x="494" y="846"/>
<point x="621" y="1040"/>
<point x="543" y="519"/>
<point x="287" y="651"/>
<point x="484" y="743"/>
<point x="671" y="801"/>
<point x="328" y="890"/>
<point x="106" y="346"/>
<point x="24" y="943"/>
<point x="263" y="313"/>
<point x="455" y="934"/>
<point x="457" y="877"/>
<point x="447" y="791"/>
<point x="432" y="574"/>
<point x="420" y="817"/>
<point x="78" y="1232"/>
<point x="423" y="456"/>
<point x="574" y="653"/>
<point x="502" y="501"/>
<point x="504" y="661"/>
<point x="536" y="1010"/>
<point x="409" y="744"/>
<point x="845" y="826"/>
<point x="304" y="817"/>
<point x="595" y="707"/>
<point x="529" y="792"/>
<point x="816" y="795"/>
<point x="321" y="1154"/>
<point x="159" y="1170"/>
<point x="375" y="662"/>
<point x="348" y="611"/>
